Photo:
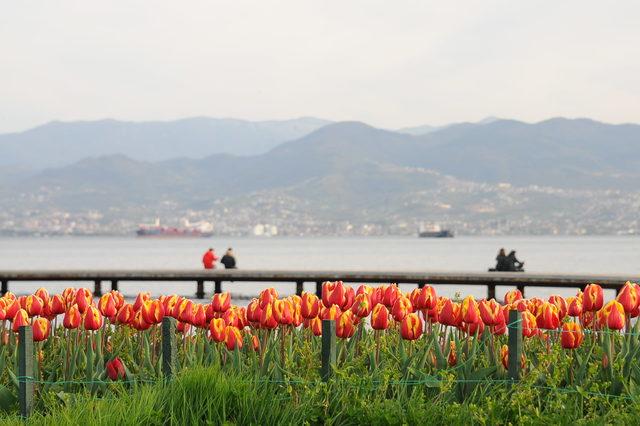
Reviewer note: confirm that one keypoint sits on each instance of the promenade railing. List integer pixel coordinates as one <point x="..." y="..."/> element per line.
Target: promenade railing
<point x="490" y="280"/>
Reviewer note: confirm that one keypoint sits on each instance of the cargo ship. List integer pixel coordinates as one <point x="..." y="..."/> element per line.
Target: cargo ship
<point x="190" y="230"/>
<point x="434" y="231"/>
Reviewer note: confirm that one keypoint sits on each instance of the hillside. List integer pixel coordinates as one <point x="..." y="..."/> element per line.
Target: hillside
<point x="59" y="143"/>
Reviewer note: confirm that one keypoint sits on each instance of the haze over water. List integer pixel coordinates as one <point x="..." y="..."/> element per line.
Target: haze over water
<point x="570" y="255"/>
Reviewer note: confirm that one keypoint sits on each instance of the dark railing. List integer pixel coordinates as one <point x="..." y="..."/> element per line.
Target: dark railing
<point x="488" y="279"/>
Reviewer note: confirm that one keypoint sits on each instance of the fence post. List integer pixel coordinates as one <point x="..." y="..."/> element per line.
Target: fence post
<point x="421" y="285"/>
<point x="521" y="288"/>
<point x="515" y="343"/>
<point x="217" y="287"/>
<point x="491" y="291"/>
<point x="200" y="289"/>
<point x="169" y="348"/>
<point x="97" y="288"/>
<point x="114" y="285"/>
<point x="299" y="287"/>
<point x="328" y="348"/>
<point x="5" y="287"/>
<point x="25" y="370"/>
<point x="319" y="289"/>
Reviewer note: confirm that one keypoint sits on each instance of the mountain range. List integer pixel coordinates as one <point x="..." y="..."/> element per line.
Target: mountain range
<point x="343" y="170"/>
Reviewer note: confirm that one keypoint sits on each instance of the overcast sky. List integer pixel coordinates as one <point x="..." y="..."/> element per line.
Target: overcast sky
<point x="388" y="63"/>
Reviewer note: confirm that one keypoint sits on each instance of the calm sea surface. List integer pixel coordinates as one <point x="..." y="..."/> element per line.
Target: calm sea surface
<point x="589" y="255"/>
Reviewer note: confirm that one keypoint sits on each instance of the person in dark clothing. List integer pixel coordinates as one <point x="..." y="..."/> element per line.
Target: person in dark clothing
<point x="501" y="261"/>
<point x="513" y="263"/>
<point x="229" y="260"/>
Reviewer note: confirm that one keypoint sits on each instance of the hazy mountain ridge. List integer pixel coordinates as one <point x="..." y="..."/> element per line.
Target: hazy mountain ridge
<point x="62" y="143"/>
<point x="350" y="171"/>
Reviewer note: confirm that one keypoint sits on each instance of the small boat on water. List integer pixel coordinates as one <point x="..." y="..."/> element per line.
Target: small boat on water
<point x="434" y="231"/>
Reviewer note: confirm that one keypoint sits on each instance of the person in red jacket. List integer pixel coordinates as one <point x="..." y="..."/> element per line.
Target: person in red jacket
<point x="209" y="259"/>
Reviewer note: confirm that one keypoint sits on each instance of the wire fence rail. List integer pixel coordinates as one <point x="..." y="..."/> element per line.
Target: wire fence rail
<point x="26" y="378"/>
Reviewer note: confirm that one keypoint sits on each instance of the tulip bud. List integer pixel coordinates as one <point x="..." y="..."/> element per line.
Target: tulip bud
<point x="41" y="329"/>
<point x="470" y="311"/>
<point x="330" y="313"/>
<point x="572" y="335"/>
<point x="423" y="298"/>
<point x="592" y="298"/>
<point x="217" y="328"/>
<point x="84" y="299"/>
<point x="364" y="289"/>
<point x="57" y="305"/>
<point x="628" y="297"/>
<point x="107" y="305"/>
<point x="267" y="319"/>
<point x="401" y="308"/>
<point x="411" y="327"/>
<point x="560" y="303"/>
<point x="221" y="302"/>
<point x="140" y="299"/>
<point x="125" y="314"/>
<point x="345" y="327"/>
<point x="184" y="311"/>
<point x="452" y="359"/>
<point x="34" y="305"/>
<point x="256" y="343"/>
<point x="574" y="306"/>
<point x="233" y="338"/>
<point x="547" y="316"/>
<point x="72" y="317"/>
<point x="310" y="305"/>
<point x="20" y="319"/>
<point x="380" y="317"/>
<point x="490" y="312"/>
<point x="529" y="324"/>
<point x="391" y="293"/>
<point x="92" y="319"/>
<point x="451" y="314"/>
<point x="315" y="325"/>
<point x="152" y="311"/>
<point x="612" y="316"/>
<point x="362" y="305"/>
<point x="283" y="311"/>
<point x="334" y="293"/>
<point x="199" y="318"/>
<point x="232" y="318"/>
<point x="267" y="296"/>
<point x="170" y="303"/>
<point x="254" y="312"/>
<point x="512" y="296"/>
<point x="115" y="369"/>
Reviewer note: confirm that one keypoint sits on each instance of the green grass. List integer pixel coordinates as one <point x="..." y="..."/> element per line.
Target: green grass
<point x="210" y="396"/>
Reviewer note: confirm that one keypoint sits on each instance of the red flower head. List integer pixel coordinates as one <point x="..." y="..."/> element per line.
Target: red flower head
<point x="490" y="312"/>
<point x="334" y="293"/>
<point x="423" y="298"/>
<point x="267" y="296"/>
<point x="217" y="328"/>
<point x="41" y="329"/>
<point x="401" y="308"/>
<point x="345" y="325"/>
<point x="92" y="319"/>
<point x="107" y="305"/>
<point x="72" y="317"/>
<point x="628" y="297"/>
<point x="380" y="317"/>
<point x="115" y="369"/>
<point x="572" y="335"/>
<point x="20" y="319"/>
<point x="34" y="305"/>
<point x="411" y="327"/>
<point x="221" y="302"/>
<point x="310" y="305"/>
<point x="592" y="298"/>
<point x="233" y="338"/>
<point x="362" y="305"/>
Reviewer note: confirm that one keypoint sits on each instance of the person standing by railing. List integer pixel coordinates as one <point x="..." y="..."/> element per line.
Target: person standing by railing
<point x="209" y="259"/>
